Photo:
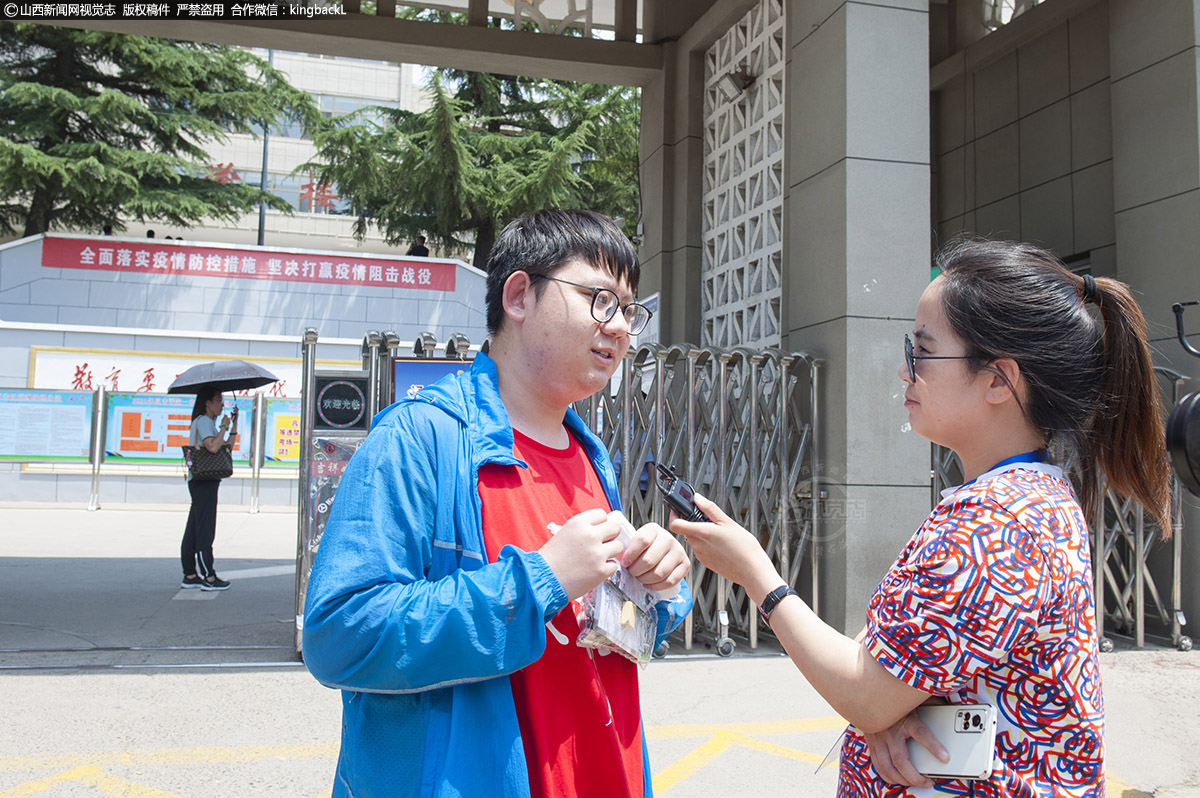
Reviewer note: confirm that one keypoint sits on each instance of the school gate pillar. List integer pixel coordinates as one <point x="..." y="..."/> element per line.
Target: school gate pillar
<point x="856" y="255"/>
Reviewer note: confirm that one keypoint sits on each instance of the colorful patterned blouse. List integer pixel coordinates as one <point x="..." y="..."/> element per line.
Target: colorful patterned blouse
<point x="992" y="602"/>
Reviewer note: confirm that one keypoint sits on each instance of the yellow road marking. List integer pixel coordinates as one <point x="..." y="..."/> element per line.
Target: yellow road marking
<point x="718" y="744"/>
<point x="1115" y="788"/>
<point x="722" y="736"/>
<point x="210" y="755"/>
<point x="718" y="738"/>
<point x="801" y="726"/>
<point x="93" y="777"/>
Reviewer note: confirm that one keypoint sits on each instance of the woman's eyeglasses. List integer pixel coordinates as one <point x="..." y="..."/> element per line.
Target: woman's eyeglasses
<point x="606" y="303"/>
<point x="912" y="359"/>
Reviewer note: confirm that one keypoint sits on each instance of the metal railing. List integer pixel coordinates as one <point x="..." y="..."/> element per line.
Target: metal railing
<point x="740" y="425"/>
<point x="1126" y="588"/>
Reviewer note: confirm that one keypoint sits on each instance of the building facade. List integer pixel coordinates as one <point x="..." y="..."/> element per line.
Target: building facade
<point x="339" y="85"/>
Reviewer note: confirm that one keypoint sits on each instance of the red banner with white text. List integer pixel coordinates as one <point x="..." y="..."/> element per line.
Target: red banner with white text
<point x="231" y="263"/>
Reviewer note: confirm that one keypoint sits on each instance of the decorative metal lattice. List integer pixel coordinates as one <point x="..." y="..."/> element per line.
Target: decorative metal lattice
<point x="743" y="183"/>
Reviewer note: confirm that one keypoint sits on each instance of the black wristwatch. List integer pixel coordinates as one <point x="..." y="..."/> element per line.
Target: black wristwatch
<point x="772" y="601"/>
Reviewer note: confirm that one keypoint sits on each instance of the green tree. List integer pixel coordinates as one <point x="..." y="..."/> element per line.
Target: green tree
<point x="102" y="128"/>
<point x="488" y="148"/>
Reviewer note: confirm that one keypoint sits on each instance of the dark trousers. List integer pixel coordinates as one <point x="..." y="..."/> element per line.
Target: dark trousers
<point x="196" y="551"/>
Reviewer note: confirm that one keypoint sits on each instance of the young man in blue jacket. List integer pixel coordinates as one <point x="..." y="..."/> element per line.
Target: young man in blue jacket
<point x="443" y="599"/>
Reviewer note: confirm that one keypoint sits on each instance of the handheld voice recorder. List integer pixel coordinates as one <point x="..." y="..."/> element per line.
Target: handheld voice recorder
<point x="677" y="494"/>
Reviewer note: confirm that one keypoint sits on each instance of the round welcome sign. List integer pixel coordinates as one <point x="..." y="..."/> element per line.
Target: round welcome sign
<point x="341" y="404"/>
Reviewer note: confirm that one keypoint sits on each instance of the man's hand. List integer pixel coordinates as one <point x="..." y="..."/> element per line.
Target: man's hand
<point x="889" y="754"/>
<point x="584" y="552"/>
<point x="656" y="558"/>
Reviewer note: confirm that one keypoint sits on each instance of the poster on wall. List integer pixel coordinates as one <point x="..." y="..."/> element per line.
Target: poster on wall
<point x="149" y="428"/>
<point x="283" y="433"/>
<point x="37" y="425"/>
<point x="650" y="334"/>
<point x="412" y="374"/>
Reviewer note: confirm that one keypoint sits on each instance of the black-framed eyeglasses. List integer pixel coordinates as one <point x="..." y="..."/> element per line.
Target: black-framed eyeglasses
<point x="606" y="303"/>
<point x="912" y="359"/>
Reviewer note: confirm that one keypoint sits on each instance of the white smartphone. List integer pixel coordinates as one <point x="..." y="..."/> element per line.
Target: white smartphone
<point x="967" y="731"/>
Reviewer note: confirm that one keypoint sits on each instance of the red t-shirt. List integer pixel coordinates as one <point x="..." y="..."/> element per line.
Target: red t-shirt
<point x="579" y="712"/>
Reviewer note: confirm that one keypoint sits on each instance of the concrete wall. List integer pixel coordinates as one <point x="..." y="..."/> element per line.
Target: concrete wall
<point x="856" y="251"/>
<point x="1153" y="53"/>
<point x="1023" y="145"/>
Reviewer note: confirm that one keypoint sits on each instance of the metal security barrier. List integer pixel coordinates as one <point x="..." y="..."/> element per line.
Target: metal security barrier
<point x="1124" y="542"/>
<point x="741" y="426"/>
<point x="1127" y="541"/>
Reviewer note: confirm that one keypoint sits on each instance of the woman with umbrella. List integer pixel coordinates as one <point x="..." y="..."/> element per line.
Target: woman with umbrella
<point x="201" y="530"/>
<point x="207" y="381"/>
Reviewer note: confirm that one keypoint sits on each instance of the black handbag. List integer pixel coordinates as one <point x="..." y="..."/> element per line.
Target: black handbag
<point x="206" y="466"/>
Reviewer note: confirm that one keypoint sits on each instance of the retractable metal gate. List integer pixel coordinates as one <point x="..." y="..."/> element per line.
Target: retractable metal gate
<point x="741" y="426"/>
<point x="1124" y="544"/>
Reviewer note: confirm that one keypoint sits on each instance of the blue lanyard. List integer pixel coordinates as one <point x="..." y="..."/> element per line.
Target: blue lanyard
<point x="1037" y="456"/>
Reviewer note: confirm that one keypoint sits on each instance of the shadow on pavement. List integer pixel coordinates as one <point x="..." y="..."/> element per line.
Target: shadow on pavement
<point x="91" y="612"/>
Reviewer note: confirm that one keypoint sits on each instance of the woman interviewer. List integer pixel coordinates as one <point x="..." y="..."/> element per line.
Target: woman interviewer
<point x="201" y="529"/>
<point x="1011" y="357"/>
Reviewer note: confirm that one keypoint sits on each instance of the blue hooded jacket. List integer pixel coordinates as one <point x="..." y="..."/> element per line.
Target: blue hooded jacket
<point x="405" y="615"/>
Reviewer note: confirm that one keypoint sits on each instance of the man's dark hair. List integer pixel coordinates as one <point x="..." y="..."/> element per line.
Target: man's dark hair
<point x="540" y="242"/>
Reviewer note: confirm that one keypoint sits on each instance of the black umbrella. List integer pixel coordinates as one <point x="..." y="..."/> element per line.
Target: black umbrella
<point x="226" y="375"/>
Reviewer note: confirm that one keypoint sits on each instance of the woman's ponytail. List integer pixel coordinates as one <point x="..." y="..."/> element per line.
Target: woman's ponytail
<point x="1126" y="435"/>
<point x="1090" y="384"/>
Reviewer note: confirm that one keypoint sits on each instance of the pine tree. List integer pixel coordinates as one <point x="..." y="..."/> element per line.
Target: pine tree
<point x="488" y="148"/>
<point x="101" y="128"/>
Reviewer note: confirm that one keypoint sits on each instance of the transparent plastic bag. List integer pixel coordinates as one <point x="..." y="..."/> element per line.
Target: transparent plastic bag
<point x="618" y="614"/>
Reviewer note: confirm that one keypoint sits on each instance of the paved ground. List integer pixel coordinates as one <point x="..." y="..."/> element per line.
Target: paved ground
<point x="115" y="683"/>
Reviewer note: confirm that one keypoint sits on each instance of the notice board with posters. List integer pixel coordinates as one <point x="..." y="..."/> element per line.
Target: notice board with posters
<point x="152" y="428"/>
<point x="283" y="433"/>
<point x="39" y="425"/>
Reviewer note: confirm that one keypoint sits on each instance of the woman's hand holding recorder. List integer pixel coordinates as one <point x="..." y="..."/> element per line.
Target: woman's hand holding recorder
<point x="729" y="549"/>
